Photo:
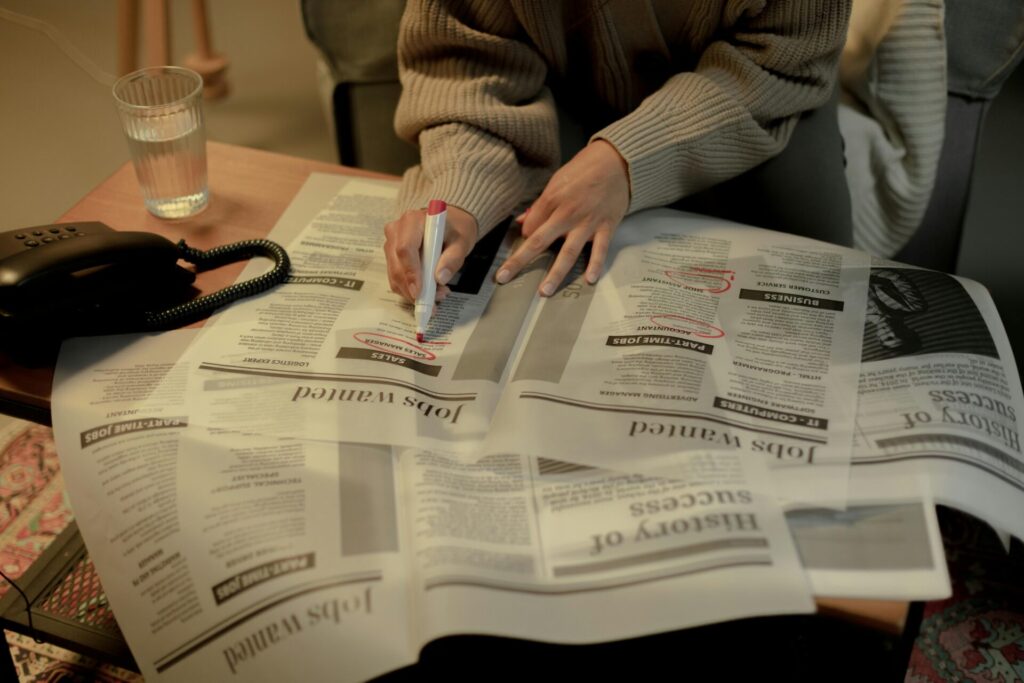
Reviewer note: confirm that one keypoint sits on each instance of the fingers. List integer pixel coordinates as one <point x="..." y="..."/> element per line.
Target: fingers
<point x="521" y="257"/>
<point x="452" y="257"/>
<point x="459" y="238"/>
<point x="539" y="232"/>
<point x="583" y="201"/>
<point x="567" y="255"/>
<point x="542" y="224"/>
<point x="402" y="241"/>
<point x="598" y="254"/>
<point x="575" y="242"/>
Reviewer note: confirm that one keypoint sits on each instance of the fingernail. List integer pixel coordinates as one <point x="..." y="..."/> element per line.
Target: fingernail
<point x="522" y="217"/>
<point x="414" y="289"/>
<point x="503" y="276"/>
<point x="591" y="278"/>
<point x="444" y="276"/>
<point x="547" y="289"/>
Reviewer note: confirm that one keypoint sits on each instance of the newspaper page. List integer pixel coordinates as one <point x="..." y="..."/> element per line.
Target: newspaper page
<point x="939" y="394"/>
<point x="226" y="556"/>
<point x="937" y="420"/>
<point x="258" y="558"/>
<point x="539" y="548"/>
<point x="885" y="545"/>
<point x="332" y="354"/>
<point x="702" y="334"/>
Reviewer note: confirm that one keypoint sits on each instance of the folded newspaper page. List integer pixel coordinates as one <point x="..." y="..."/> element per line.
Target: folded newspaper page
<point x="940" y="396"/>
<point x="886" y="544"/>
<point x="227" y="555"/>
<point x="939" y="419"/>
<point x="703" y="334"/>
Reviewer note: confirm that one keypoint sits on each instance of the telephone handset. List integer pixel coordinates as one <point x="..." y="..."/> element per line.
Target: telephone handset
<point x="80" y="279"/>
<point x="29" y="257"/>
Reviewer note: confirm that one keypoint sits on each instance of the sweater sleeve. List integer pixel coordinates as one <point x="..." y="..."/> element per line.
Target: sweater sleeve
<point x="474" y="100"/>
<point x="773" y="61"/>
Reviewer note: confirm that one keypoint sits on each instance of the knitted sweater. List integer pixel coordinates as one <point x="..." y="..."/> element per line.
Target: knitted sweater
<point x="689" y="93"/>
<point x="893" y="118"/>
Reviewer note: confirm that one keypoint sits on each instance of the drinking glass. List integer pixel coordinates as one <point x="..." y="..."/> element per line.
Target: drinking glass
<point x="161" y="111"/>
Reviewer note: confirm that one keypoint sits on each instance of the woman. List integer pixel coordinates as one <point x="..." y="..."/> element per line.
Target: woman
<point x="677" y="98"/>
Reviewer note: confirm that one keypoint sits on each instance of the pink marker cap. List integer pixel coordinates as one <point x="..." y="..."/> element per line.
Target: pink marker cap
<point x="436" y="206"/>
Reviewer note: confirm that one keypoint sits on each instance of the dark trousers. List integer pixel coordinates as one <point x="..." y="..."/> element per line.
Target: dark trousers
<point x="802" y="191"/>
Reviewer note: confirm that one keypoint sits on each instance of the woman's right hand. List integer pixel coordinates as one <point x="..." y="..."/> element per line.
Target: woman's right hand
<point x="403" y="239"/>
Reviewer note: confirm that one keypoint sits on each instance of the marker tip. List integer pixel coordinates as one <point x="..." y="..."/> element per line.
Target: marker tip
<point x="419" y="337"/>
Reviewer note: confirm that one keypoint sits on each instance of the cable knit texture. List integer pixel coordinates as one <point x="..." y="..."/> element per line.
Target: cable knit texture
<point x="893" y="119"/>
<point x="690" y="94"/>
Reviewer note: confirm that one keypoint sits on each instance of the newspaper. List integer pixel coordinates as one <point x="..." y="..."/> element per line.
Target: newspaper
<point x="302" y="471"/>
<point x="230" y="556"/>
<point x="702" y="335"/>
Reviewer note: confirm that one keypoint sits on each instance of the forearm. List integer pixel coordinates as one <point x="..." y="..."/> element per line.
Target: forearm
<point x="474" y="101"/>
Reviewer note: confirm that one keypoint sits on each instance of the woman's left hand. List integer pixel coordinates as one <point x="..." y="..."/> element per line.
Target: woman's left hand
<point x="584" y="201"/>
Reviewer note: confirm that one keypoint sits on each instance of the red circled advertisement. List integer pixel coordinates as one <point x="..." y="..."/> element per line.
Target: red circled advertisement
<point x="394" y="345"/>
<point x="681" y="323"/>
<point x="711" y="280"/>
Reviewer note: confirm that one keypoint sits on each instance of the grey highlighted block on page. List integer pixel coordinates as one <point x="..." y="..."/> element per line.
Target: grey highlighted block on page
<point x="878" y="537"/>
<point x="488" y="349"/>
<point x="554" y="336"/>
<point x="369" y="517"/>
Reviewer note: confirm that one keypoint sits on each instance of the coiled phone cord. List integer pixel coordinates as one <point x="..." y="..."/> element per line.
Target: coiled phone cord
<point x="203" y="306"/>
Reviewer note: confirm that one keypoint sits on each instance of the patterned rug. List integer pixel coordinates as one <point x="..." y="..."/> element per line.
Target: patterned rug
<point x="976" y="636"/>
<point x="33" y="511"/>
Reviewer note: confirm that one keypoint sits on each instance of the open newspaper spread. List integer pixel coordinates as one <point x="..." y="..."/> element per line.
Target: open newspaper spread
<point x="299" y="486"/>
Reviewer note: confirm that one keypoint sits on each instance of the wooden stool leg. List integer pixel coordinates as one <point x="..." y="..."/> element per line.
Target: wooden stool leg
<point x="127" y="36"/>
<point x="157" y="31"/>
<point x="207" y="63"/>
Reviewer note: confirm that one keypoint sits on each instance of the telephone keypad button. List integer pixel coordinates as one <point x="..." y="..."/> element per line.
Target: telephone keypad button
<point x="20" y="236"/>
<point x="64" y="237"/>
<point x="37" y="233"/>
<point x="47" y="240"/>
<point x="33" y="243"/>
<point x="71" y="228"/>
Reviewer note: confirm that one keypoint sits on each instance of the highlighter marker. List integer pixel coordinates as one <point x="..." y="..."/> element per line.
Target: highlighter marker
<point x="433" y="238"/>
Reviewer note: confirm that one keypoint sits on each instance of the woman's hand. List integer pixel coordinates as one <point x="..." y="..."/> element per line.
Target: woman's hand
<point x="584" y="201"/>
<point x="403" y="239"/>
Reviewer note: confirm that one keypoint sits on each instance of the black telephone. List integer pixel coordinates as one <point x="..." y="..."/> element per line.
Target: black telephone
<point x="80" y="279"/>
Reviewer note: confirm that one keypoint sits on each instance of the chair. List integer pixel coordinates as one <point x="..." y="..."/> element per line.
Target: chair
<point x="985" y="44"/>
<point x="358" y="74"/>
